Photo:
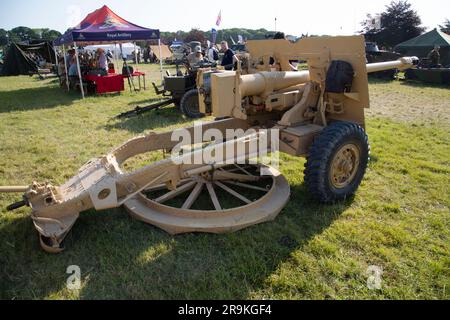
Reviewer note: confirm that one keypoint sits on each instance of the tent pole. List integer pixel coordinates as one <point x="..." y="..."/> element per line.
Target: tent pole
<point x="56" y="61"/>
<point x="135" y="54"/>
<point x="160" y="60"/>
<point x="116" y="56"/>
<point x="65" y="67"/>
<point x="79" y="69"/>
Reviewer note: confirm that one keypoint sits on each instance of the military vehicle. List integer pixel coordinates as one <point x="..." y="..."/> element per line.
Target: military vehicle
<point x="427" y="72"/>
<point x="217" y="182"/>
<point x="429" y="75"/>
<point x="374" y="55"/>
<point x="179" y="89"/>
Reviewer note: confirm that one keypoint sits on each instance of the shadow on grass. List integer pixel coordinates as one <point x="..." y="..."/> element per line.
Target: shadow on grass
<point x="44" y="97"/>
<point x="51" y="80"/>
<point x="409" y="83"/>
<point x="375" y="80"/>
<point x="421" y="84"/>
<point x="121" y="258"/>
<point x="162" y="118"/>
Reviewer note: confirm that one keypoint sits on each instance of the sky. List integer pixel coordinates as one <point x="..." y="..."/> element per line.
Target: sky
<point x="339" y="17"/>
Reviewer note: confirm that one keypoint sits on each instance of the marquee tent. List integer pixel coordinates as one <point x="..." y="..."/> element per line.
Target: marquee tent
<point x="104" y="26"/>
<point x="420" y="46"/>
<point x="162" y="54"/>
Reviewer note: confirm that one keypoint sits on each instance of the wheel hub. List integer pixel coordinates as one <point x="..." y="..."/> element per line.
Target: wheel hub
<point x="344" y="166"/>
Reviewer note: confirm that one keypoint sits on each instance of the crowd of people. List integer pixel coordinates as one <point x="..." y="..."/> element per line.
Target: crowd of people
<point x="229" y="59"/>
<point x="38" y="59"/>
<point x="101" y="62"/>
<point x="211" y="54"/>
<point x="147" y="54"/>
<point x="98" y="61"/>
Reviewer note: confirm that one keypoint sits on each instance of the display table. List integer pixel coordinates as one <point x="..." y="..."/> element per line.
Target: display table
<point x="138" y="75"/>
<point x="106" y="84"/>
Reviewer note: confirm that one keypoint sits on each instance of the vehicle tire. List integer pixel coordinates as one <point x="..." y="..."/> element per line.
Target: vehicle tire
<point x="337" y="162"/>
<point x="190" y="105"/>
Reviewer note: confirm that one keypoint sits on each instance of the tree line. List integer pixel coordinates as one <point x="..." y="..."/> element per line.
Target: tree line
<point x="229" y="35"/>
<point x="19" y="34"/>
<point x="225" y="34"/>
<point x="22" y="33"/>
<point x="399" y="22"/>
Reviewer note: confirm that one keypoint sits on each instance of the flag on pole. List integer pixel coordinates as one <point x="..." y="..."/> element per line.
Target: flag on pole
<point x="213" y="35"/>
<point x="219" y="18"/>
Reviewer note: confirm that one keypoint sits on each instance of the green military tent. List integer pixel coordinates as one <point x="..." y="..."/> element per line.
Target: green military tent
<point x="18" y="60"/>
<point x="420" y="46"/>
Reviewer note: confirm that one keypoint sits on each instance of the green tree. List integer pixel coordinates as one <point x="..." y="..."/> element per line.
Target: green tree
<point x="195" y="35"/>
<point x="247" y="34"/>
<point x="445" y="27"/>
<point x="398" y="23"/>
<point x="169" y="37"/>
<point x="3" y="37"/>
<point x="23" y="34"/>
<point x="50" y="35"/>
<point x="223" y="34"/>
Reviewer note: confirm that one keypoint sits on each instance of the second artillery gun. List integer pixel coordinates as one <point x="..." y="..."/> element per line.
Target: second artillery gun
<point x="179" y="89"/>
<point x="317" y="113"/>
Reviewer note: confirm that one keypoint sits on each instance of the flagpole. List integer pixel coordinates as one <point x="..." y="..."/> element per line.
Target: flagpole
<point x="218" y="23"/>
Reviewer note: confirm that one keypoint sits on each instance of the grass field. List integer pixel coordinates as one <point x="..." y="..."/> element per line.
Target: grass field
<point x="399" y="219"/>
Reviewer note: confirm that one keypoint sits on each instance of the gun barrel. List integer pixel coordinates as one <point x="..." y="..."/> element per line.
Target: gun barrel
<point x="14" y="189"/>
<point x="402" y="64"/>
<point x="258" y="83"/>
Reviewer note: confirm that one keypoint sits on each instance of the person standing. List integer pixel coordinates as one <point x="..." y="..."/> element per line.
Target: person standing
<point x="196" y="56"/>
<point x="213" y="54"/>
<point x="139" y="56"/>
<point x="102" y="61"/>
<point x="70" y="54"/>
<point x="73" y="69"/>
<point x="147" y="54"/>
<point x="109" y="56"/>
<point x="73" y="72"/>
<point x="229" y="57"/>
<point x="435" y="57"/>
<point x="151" y="55"/>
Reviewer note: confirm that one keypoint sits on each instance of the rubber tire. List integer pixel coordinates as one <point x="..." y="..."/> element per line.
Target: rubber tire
<point x="184" y="105"/>
<point x="322" y="152"/>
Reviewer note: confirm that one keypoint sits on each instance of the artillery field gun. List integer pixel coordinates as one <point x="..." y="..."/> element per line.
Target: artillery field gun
<point x="213" y="183"/>
<point x="179" y="89"/>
